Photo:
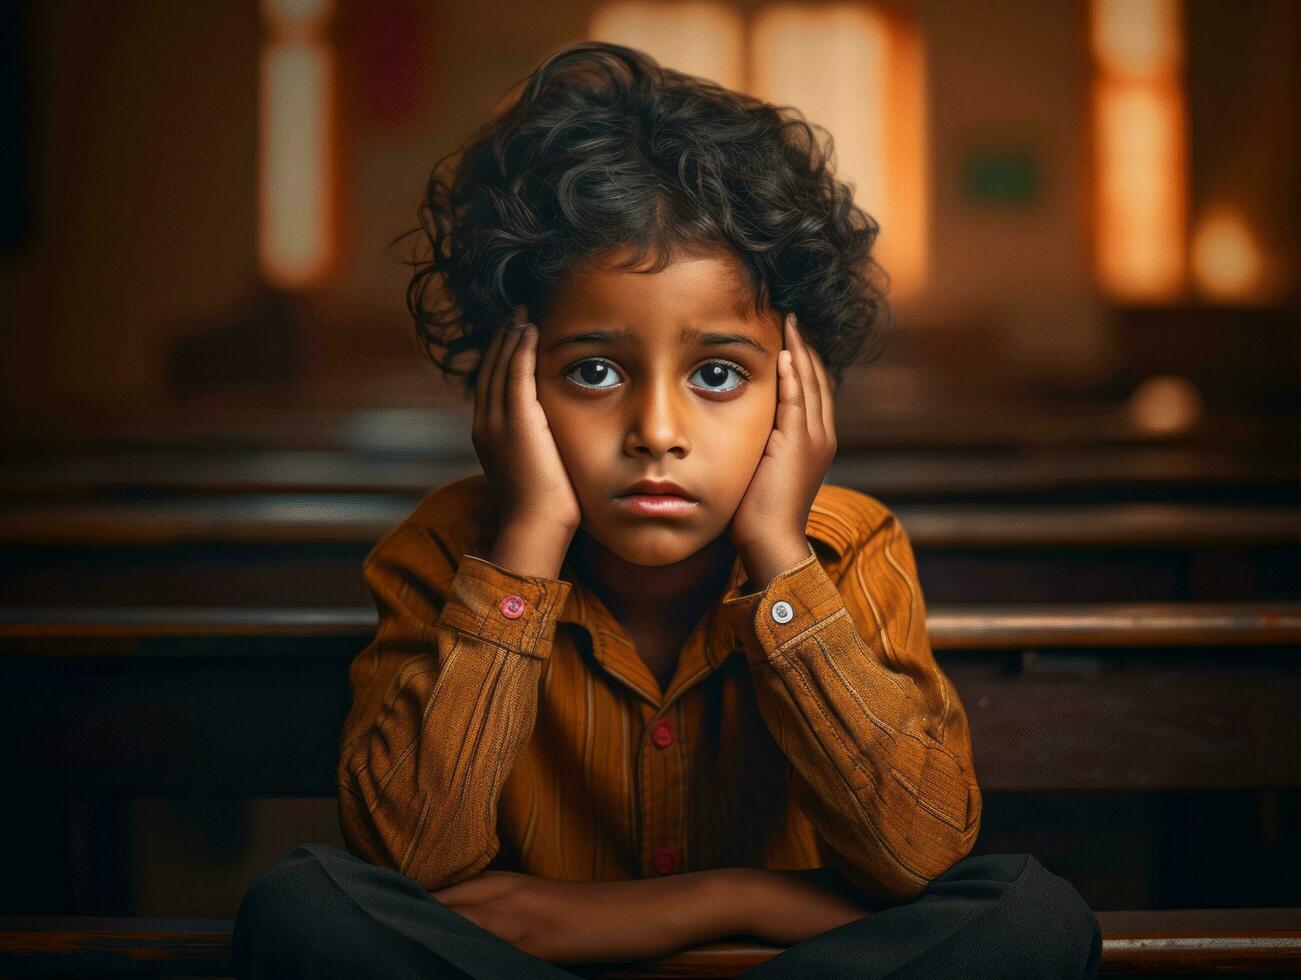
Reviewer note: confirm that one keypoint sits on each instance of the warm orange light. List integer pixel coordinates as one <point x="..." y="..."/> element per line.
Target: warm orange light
<point x="1227" y="262"/>
<point x="1165" y="404"/>
<point x="699" y="38"/>
<point x="295" y="18"/>
<point x="1141" y="189"/>
<point x="296" y="227"/>
<point x="1138" y="39"/>
<point x="1140" y="151"/>
<point x="905" y="242"/>
<point x="860" y="74"/>
<point x="297" y="82"/>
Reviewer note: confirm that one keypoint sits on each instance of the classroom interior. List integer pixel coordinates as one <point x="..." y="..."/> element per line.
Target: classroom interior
<point x="213" y="405"/>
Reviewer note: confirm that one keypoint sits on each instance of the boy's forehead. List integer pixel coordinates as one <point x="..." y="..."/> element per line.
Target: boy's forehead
<point x="700" y="283"/>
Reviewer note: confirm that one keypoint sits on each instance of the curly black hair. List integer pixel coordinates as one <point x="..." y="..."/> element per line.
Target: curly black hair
<point x="604" y="149"/>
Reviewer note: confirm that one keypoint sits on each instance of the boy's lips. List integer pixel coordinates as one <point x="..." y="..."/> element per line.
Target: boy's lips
<point x="657" y="487"/>
<point x="656" y="504"/>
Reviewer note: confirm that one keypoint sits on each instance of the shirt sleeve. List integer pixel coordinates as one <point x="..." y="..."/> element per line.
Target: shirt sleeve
<point x="443" y="700"/>
<point x="877" y="738"/>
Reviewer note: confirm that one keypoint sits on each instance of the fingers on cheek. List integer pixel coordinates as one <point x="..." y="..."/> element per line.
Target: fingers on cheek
<point x="792" y="371"/>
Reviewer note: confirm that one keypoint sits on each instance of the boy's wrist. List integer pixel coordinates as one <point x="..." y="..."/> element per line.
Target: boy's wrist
<point x="530" y="548"/>
<point x="766" y="559"/>
<point x="782" y="908"/>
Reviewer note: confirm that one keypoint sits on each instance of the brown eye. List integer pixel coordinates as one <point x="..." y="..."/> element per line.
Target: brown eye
<point x="716" y="373"/>
<point x="593" y="371"/>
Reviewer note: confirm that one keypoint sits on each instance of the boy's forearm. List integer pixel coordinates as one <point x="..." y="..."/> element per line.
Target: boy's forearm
<point x="694" y="908"/>
<point x="640" y="919"/>
<point x="644" y="919"/>
<point x="787" y="907"/>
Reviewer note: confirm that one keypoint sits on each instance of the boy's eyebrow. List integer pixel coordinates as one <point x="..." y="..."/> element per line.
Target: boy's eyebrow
<point x="687" y="336"/>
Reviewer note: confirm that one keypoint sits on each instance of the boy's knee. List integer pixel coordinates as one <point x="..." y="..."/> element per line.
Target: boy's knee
<point x="1050" y="920"/>
<point x="274" y="912"/>
<point x="282" y="887"/>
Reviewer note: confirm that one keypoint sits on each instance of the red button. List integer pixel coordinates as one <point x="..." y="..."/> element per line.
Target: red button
<point x="512" y="607"/>
<point x="663" y="860"/>
<point x="662" y="732"/>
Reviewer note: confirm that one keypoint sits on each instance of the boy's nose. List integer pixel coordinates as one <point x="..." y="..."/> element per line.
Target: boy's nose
<point x="657" y="426"/>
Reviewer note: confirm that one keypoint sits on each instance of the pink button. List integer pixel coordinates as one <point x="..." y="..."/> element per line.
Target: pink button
<point x="512" y="607"/>
<point x="662" y="732"/>
<point x="663" y="860"/>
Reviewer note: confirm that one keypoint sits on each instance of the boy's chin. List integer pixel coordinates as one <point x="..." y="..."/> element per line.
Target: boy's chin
<point x="656" y="547"/>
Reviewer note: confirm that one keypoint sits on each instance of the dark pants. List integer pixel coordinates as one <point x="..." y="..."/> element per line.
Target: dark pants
<point x="320" y="911"/>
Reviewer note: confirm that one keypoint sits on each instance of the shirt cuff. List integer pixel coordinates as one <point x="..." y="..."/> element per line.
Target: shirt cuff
<point x="516" y="612"/>
<point x="769" y="620"/>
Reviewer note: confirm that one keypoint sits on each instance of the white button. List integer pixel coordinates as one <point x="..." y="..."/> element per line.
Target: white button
<point x="782" y="611"/>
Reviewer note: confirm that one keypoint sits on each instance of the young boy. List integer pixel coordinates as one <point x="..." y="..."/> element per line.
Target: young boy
<point x="649" y="681"/>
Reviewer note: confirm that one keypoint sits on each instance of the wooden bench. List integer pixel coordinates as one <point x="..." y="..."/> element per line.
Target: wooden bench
<point x="291" y="548"/>
<point x="1139" y="943"/>
<point x="150" y="701"/>
<point x="363" y="518"/>
<point x="993" y="474"/>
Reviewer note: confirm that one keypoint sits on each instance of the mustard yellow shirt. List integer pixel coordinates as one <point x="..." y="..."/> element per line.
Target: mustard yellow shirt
<point x="806" y="725"/>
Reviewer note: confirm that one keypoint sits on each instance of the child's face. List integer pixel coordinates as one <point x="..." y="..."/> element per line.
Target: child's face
<point x="656" y="406"/>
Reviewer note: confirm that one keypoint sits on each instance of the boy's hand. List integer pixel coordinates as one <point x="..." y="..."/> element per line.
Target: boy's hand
<point x="768" y="527"/>
<point x="513" y="438"/>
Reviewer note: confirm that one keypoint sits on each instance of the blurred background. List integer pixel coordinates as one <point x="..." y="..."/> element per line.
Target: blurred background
<point x="212" y="403"/>
<point x="1089" y="211"/>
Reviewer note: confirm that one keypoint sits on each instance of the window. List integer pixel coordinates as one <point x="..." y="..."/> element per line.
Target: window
<point x="699" y="38"/>
<point x="1140" y="150"/>
<point x="295" y="173"/>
